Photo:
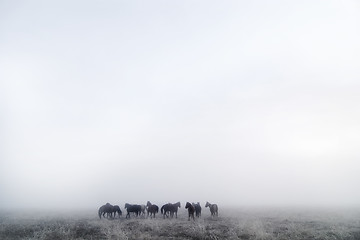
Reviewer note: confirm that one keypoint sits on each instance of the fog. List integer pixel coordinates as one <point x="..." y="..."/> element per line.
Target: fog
<point x="233" y="102"/>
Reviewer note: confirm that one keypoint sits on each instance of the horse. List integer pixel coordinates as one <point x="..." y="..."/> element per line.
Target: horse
<point x="171" y="208"/>
<point x="132" y="208"/>
<point x="107" y="208"/>
<point x="152" y="209"/>
<point x="116" y="209"/>
<point x="197" y="209"/>
<point x="143" y="208"/>
<point x="213" y="209"/>
<point x="191" y="210"/>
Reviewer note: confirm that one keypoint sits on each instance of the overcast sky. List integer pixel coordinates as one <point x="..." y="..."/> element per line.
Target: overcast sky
<point x="232" y="102"/>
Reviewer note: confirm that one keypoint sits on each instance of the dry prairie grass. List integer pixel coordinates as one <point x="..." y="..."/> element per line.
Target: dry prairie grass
<point x="241" y="224"/>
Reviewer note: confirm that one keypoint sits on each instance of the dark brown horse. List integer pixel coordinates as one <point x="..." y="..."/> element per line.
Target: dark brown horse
<point x="132" y="208"/>
<point x="105" y="209"/>
<point x="197" y="209"/>
<point x="152" y="209"/>
<point x="116" y="209"/>
<point x="171" y="208"/>
<point x="213" y="209"/>
<point x="191" y="210"/>
<point x="109" y="210"/>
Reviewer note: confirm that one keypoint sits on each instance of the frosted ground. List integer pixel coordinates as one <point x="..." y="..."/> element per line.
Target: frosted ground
<point x="231" y="224"/>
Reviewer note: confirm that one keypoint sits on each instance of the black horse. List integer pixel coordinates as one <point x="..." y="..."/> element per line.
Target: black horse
<point x="132" y="208"/>
<point x="107" y="208"/>
<point x="171" y="208"/>
<point x="191" y="210"/>
<point x="152" y="209"/>
<point x="197" y="209"/>
<point x="213" y="209"/>
<point x="116" y="209"/>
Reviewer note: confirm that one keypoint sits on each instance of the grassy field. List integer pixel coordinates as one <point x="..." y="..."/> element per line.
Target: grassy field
<point x="239" y="224"/>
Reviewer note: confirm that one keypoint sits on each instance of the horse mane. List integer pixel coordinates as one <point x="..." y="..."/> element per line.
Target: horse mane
<point x="189" y="205"/>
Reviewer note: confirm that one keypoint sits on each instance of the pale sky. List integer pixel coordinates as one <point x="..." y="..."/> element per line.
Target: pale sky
<point x="233" y="102"/>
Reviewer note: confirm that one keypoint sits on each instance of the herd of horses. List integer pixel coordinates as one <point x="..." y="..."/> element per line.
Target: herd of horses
<point x="168" y="210"/>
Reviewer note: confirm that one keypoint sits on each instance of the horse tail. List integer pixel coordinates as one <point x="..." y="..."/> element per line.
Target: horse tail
<point x="99" y="212"/>
<point x="162" y="210"/>
<point x="157" y="209"/>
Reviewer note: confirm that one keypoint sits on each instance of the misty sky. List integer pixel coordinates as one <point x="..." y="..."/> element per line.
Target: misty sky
<point x="233" y="102"/>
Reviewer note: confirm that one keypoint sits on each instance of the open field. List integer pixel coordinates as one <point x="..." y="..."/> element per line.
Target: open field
<point x="239" y="224"/>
